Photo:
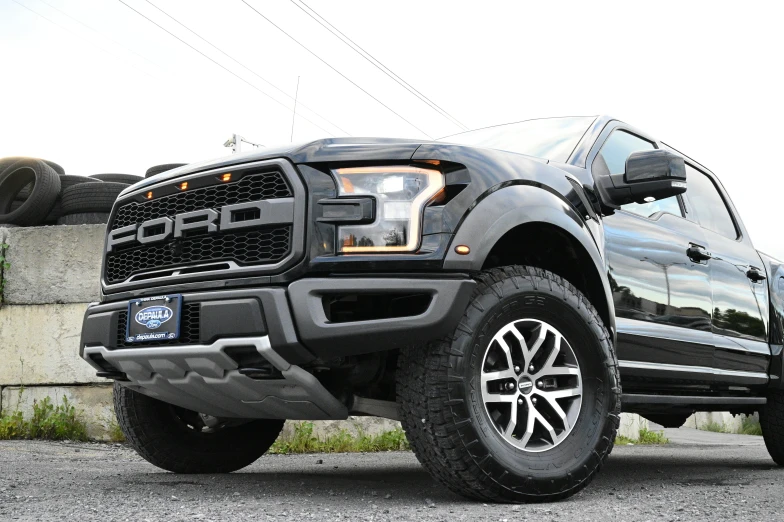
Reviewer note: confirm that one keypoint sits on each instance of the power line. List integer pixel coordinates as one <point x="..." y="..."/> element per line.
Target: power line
<point x="96" y="31"/>
<point x="218" y="64"/>
<point x="352" y="82"/>
<point x="81" y="38"/>
<point x="247" y="68"/>
<point x="375" y="62"/>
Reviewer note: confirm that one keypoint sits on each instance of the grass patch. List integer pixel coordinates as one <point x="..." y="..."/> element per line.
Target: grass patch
<point x="646" y="437"/>
<point x="716" y="427"/>
<point x="49" y="422"/>
<point x="303" y="441"/>
<point x="750" y="426"/>
<point x="114" y="431"/>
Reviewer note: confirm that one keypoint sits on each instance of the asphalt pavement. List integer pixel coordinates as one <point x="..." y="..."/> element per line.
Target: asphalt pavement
<point x="84" y="482"/>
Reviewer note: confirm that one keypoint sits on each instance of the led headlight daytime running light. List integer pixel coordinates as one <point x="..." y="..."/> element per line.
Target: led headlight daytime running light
<point x="401" y="194"/>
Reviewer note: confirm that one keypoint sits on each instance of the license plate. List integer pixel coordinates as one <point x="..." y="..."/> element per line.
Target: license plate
<point x="154" y="319"/>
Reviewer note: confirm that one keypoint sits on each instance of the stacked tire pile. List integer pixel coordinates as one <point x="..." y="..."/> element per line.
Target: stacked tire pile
<point x="39" y="192"/>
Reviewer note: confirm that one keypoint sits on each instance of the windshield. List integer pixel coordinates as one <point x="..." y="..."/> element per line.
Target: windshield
<point x="553" y="139"/>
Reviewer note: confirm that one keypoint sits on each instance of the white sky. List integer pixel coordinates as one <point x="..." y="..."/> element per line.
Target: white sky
<point x="120" y="97"/>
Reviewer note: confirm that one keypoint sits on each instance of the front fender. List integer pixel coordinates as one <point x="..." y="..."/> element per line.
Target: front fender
<point x="514" y="205"/>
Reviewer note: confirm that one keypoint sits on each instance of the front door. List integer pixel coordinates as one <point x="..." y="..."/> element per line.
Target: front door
<point x="662" y="295"/>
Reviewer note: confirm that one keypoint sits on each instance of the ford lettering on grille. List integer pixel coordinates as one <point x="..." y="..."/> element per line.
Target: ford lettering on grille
<point x="270" y="212"/>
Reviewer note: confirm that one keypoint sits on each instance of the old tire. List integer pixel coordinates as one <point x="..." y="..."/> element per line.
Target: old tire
<point x="41" y="200"/>
<point x="91" y="197"/>
<point x="130" y="179"/>
<point x="7" y="162"/>
<point x="458" y="436"/>
<point x="772" y="423"/>
<point x="157" y="169"/>
<point x="177" y="440"/>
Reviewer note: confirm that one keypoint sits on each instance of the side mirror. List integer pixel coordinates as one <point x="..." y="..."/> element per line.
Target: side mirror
<point x="650" y="175"/>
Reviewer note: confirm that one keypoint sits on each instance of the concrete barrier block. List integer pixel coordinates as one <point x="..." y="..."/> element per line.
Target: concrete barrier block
<point x="715" y="420"/>
<point x="631" y="424"/>
<point x="54" y="264"/>
<point x="353" y="425"/>
<point x="93" y="404"/>
<point x="39" y="344"/>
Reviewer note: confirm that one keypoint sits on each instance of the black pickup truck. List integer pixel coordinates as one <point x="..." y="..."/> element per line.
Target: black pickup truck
<point x="495" y="291"/>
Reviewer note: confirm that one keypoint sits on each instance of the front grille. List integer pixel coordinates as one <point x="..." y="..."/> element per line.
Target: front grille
<point x="248" y="247"/>
<point x="256" y="187"/>
<point x="255" y="246"/>
<point x="189" y="328"/>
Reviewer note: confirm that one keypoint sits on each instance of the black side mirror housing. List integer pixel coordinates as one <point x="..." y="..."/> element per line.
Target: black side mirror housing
<point x="650" y="175"/>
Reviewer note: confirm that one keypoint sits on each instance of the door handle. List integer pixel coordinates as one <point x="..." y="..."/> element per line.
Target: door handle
<point x="755" y="275"/>
<point x="697" y="253"/>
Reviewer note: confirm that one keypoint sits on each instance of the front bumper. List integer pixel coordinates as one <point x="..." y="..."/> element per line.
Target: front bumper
<point x="209" y="369"/>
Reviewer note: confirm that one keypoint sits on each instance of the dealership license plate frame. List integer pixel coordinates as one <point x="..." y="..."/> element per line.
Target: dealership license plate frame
<point x="168" y="330"/>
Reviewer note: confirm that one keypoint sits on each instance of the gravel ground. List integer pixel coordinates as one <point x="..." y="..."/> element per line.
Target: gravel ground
<point x="57" y="481"/>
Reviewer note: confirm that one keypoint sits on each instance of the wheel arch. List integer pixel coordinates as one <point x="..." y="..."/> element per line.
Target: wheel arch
<point x="496" y="227"/>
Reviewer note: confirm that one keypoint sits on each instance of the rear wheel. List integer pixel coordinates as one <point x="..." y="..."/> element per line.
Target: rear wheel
<point x="522" y="404"/>
<point x="184" y="441"/>
<point x="772" y="422"/>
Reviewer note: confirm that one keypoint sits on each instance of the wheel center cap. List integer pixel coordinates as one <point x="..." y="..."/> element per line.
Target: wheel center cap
<point x="525" y="385"/>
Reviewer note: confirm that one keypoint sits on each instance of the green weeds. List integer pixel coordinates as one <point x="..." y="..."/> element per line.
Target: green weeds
<point x="49" y="421"/>
<point x="303" y="441"/>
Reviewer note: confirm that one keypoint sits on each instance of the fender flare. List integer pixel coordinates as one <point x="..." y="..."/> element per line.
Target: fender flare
<point x="514" y="205"/>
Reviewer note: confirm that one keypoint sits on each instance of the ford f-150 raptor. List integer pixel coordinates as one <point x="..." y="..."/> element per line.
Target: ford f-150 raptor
<point x="493" y="291"/>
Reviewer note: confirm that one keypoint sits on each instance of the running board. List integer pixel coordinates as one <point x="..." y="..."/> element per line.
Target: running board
<point x="633" y="398"/>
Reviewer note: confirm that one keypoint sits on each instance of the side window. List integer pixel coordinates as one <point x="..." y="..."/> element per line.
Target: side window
<point x="612" y="160"/>
<point x="712" y="212"/>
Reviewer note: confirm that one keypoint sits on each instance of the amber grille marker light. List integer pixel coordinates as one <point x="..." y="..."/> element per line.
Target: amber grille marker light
<point x="226" y="177"/>
<point x="184" y="185"/>
<point x="149" y="195"/>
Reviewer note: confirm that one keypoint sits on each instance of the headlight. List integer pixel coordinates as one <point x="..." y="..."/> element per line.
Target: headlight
<point x="401" y="194"/>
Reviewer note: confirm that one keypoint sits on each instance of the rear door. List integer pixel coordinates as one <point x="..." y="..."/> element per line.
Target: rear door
<point x="740" y="294"/>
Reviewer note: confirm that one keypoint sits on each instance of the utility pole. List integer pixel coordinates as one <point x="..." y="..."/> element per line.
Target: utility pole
<point x="235" y="142"/>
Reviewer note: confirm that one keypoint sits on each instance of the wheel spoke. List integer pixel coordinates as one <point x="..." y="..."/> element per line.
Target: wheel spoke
<point x="512" y="420"/>
<point x="507" y="351"/>
<point x="558" y="410"/>
<point x="547" y="426"/>
<point x="553" y="355"/>
<point x="560" y="370"/>
<point x="529" y="427"/>
<point x="561" y="394"/>
<point x="538" y="342"/>
<point x="494" y="376"/>
<point x="498" y="397"/>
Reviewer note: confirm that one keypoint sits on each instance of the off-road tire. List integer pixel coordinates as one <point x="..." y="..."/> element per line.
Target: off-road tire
<point x="34" y="210"/>
<point x="449" y="429"/>
<point x="130" y="179"/>
<point x="91" y="197"/>
<point x="153" y="429"/>
<point x="772" y="422"/>
<point x="157" y="169"/>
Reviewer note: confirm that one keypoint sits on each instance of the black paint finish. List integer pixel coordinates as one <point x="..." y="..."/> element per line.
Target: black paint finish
<point x="689" y="318"/>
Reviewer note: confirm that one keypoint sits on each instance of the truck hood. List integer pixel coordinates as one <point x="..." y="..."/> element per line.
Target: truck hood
<point x="327" y="150"/>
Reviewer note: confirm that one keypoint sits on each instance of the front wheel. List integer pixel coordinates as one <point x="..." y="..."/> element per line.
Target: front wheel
<point x="522" y="404"/>
<point x="183" y="441"/>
